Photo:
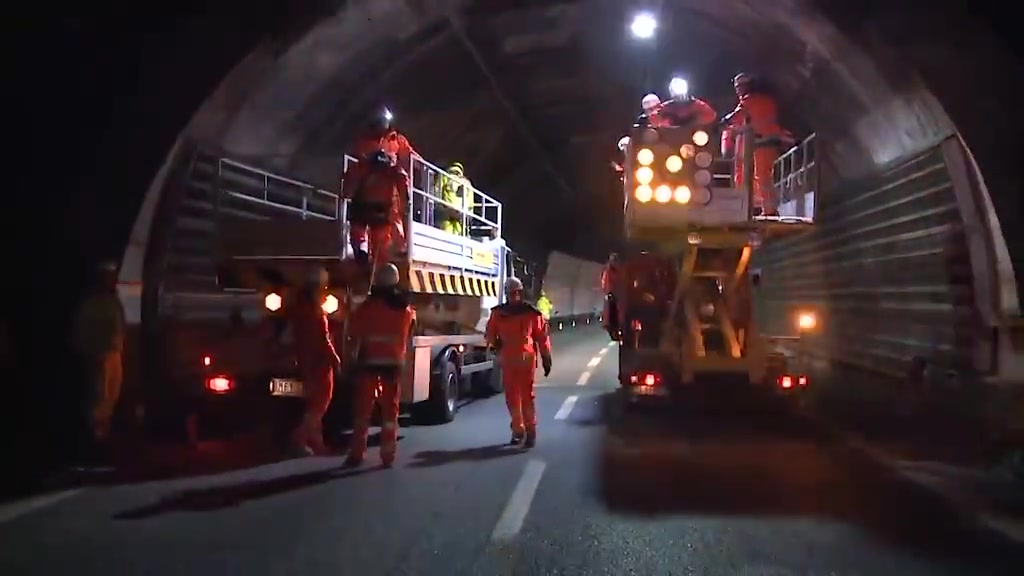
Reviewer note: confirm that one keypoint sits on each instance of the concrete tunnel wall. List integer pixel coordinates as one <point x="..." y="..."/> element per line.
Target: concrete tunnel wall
<point x="877" y="90"/>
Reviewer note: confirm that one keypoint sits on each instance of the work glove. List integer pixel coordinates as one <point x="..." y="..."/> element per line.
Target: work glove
<point x="546" y="360"/>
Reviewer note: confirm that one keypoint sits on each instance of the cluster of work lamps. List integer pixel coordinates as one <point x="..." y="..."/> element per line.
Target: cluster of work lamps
<point x="672" y="168"/>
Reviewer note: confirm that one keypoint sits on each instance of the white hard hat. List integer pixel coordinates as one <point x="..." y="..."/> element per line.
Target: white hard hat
<point x="623" y="142"/>
<point x="513" y="284"/>
<point x="678" y="87"/>
<point x="387" y="276"/>
<point x="650" y="101"/>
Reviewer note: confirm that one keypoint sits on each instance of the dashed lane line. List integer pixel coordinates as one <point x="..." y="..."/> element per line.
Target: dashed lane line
<point x="22" y="507"/>
<point x="584" y="378"/>
<point x="511" y="520"/>
<point x="566" y="408"/>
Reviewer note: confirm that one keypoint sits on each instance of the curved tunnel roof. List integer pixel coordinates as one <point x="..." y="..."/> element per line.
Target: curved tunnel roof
<point x="532" y="95"/>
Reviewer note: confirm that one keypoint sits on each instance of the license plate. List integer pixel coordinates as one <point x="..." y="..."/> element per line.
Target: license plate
<point x="285" y="387"/>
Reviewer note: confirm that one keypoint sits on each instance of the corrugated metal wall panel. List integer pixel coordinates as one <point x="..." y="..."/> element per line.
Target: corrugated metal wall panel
<point x="887" y="269"/>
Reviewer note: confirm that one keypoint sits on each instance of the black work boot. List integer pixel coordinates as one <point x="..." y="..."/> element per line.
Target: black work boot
<point x="531" y="440"/>
<point x="516" y="440"/>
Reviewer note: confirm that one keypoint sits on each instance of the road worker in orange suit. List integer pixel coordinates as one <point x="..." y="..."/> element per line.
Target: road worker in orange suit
<point x="518" y="332"/>
<point x="379" y="332"/>
<point x="99" y="339"/>
<point x="682" y="110"/>
<point x="648" y="104"/>
<point x="610" y="277"/>
<point x="379" y="192"/>
<point x="317" y="360"/>
<point x="757" y="110"/>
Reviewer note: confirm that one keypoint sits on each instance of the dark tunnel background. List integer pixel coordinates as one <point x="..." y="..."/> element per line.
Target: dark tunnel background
<point x="100" y="97"/>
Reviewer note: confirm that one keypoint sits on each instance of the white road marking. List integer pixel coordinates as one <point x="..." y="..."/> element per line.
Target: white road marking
<point x="22" y="507"/>
<point x="602" y="352"/>
<point x="594" y="362"/>
<point x="566" y="408"/>
<point x="511" y="520"/>
<point x="584" y="378"/>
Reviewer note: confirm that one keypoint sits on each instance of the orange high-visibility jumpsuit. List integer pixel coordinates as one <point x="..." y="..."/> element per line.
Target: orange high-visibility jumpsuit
<point x="759" y="111"/>
<point x="379" y="194"/>
<point x="391" y="141"/>
<point x="518" y="332"/>
<point x="380" y="329"/>
<point x="316" y="359"/>
<point x="687" y="112"/>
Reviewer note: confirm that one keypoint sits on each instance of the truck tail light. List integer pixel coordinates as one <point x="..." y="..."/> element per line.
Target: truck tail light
<point x="220" y="384"/>
<point x="645" y="379"/>
<point x="786" y="381"/>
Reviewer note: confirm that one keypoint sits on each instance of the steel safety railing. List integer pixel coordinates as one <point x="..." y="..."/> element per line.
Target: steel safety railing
<point x="481" y="218"/>
<point x="795" y="173"/>
<point x="251" y="184"/>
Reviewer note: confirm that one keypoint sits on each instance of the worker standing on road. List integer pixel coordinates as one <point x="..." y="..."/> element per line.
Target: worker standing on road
<point x="99" y="339"/>
<point x="379" y="332"/>
<point x="757" y="111"/>
<point x="609" y="285"/>
<point x="682" y="110"/>
<point x="456" y="190"/>
<point x="379" y="192"/>
<point x="517" y="331"/>
<point x="317" y="360"/>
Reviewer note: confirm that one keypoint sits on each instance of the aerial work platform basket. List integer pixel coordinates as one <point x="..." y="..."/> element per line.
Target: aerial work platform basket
<point x="686" y="204"/>
<point x="299" y="224"/>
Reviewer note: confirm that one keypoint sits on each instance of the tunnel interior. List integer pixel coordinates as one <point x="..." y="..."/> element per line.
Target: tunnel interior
<point x="531" y="96"/>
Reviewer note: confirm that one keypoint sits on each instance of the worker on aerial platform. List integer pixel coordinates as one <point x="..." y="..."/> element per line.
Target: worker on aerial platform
<point x="757" y="110"/>
<point x="648" y="104"/>
<point x="379" y="134"/>
<point x="379" y="193"/>
<point x="456" y="190"/>
<point x="682" y="110"/>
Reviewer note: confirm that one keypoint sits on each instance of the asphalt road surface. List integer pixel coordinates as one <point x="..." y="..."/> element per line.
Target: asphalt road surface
<point x="639" y="493"/>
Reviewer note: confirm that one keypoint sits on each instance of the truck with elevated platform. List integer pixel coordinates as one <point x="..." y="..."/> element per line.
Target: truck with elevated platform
<point x="267" y="233"/>
<point x="689" y="318"/>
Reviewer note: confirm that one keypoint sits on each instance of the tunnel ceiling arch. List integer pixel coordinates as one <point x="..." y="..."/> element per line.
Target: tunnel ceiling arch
<point x="531" y="93"/>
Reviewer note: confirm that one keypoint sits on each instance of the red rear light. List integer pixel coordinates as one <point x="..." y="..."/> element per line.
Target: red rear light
<point x="637" y="326"/>
<point x="650" y="379"/>
<point x="207" y="360"/>
<point x="220" y="384"/>
<point x="802" y="380"/>
<point x="786" y="381"/>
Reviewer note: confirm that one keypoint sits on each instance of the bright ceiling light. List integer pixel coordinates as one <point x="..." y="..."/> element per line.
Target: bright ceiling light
<point x="643" y="26"/>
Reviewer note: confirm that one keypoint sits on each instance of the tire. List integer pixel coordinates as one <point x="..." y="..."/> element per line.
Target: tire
<point x="444" y="393"/>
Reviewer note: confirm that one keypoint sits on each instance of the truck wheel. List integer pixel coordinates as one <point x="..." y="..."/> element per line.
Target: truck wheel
<point x="444" y="392"/>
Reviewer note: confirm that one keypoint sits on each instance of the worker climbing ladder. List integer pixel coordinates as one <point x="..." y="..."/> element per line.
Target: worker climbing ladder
<point x="684" y="205"/>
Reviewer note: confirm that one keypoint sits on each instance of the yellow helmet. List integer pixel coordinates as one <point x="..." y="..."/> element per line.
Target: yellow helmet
<point x="457" y="168"/>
